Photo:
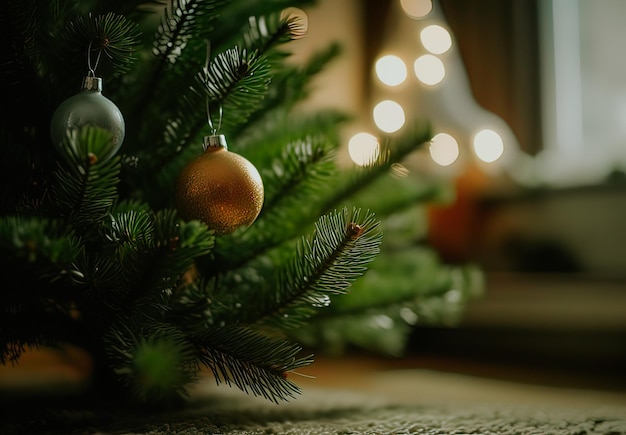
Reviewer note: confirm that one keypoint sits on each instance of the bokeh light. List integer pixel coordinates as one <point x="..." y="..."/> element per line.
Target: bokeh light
<point x="436" y="39"/>
<point x="429" y="69"/>
<point x="391" y="70"/>
<point x="444" y="149"/>
<point x="363" y="148"/>
<point x="488" y="145"/>
<point x="416" y="8"/>
<point x="389" y="116"/>
<point x="300" y="20"/>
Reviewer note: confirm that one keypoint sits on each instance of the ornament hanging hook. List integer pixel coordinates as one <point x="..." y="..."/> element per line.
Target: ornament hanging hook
<point x="208" y="57"/>
<point x="214" y="129"/>
<point x="92" y="70"/>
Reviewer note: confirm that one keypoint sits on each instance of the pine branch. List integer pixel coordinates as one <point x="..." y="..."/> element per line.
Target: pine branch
<point x="390" y="195"/>
<point x="154" y="362"/>
<point x="192" y="304"/>
<point x="380" y="332"/>
<point x="76" y="44"/>
<point x="30" y="325"/>
<point x="251" y="361"/>
<point x="263" y="142"/>
<point x="264" y="33"/>
<point x="235" y="16"/>
<point x="25" y="77"/>
<point x="383" y="330"/>
<point x="28" y="54"/>
<point x="110" y="36"/>
<point x="277" y="225"/>
<point x="38" y="240"/>
<point x="85" y="187"/>
<point x="236" y="81"/>
<point x="304" y="163"/>
<point x="394" y="151"/>
<point x="41" y="251"/>
<point x="296" y="82"/>
<point x="19" y="26"/>
<point x="179" y="51"/>
<point x="155" y="249"/>
<point x="182" y="23"/>
<point x="405" y="275"/>
<point x="136" y="10"/>
<point x="111" y="275"/>
<point x="405" y="288"/>
<point x="295" y="193"/>
<point x="290" y="85"/>
<point x="103" y="285"/>
<point x="154" y="298"/>
<point x="325" y="263"/>
<point x="289" y="182"/>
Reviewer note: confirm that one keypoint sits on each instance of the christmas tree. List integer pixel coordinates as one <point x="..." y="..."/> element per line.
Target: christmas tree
<point x="175" y="213"/>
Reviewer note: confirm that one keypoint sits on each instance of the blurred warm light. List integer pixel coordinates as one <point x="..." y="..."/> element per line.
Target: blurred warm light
<point x="444" y="149"/>
<point x="389" y="116"/>
<point x="488" y="145"/>
<point x="436" y="39"/>
<point x="391" y="70"/>
<point x="363" y="148"/>
<point x="299" y="17"/>
<point x="429" y="69"/>
<point x="416" y="8"/>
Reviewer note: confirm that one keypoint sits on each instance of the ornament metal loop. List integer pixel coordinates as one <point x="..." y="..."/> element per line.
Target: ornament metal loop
<point x="214" y="141"/>
<point x="92" y="70"/>
<point x="214" y="130"/>
<point x="91" y="83"/>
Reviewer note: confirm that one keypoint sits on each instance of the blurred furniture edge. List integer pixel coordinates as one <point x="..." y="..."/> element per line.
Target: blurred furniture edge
<point x="557" y="329"/>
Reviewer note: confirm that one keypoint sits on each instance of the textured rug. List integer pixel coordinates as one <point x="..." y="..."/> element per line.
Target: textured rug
<point x="397" y="402"/>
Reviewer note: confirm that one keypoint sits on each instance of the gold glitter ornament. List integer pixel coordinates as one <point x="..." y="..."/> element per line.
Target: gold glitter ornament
<point x="220" y="188"/>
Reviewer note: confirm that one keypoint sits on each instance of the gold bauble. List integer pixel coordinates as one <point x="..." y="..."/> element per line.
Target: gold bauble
<point x="220" y="188"/>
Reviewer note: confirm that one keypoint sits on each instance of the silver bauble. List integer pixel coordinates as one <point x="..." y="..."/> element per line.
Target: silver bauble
<point x="89" y="108"/>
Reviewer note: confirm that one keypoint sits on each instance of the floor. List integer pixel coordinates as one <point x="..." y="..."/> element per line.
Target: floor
<point x="506" y="350"/>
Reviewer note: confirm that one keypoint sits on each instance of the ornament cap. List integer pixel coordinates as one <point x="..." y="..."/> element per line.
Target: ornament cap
<point x="214" y="141"/>
<point x="91" y="83"/>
